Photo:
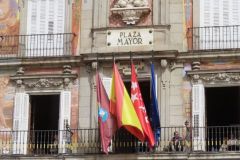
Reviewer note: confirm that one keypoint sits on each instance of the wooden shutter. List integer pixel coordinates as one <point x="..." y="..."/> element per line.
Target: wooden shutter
<point x="219" y="13"/>
<point x="198" y="117"/>
<point x="65" y="113"/>
<point x="20" y="123"/>
<point x="45" y="17"/>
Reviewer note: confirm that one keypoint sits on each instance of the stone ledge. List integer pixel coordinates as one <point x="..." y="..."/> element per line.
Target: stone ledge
<point x="145" y="156"/>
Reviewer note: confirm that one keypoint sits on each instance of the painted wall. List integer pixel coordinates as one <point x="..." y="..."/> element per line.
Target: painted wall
<point x="220" y="65"/>
<point x="76" y="17"/>
<point x="9" y="17"/>
<point x="7" y="92"/>
<point x="188" y="21"/>
<point x="9" y="25"/>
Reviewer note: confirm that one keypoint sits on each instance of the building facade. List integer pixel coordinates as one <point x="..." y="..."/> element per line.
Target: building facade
<point x="50" y="52"/>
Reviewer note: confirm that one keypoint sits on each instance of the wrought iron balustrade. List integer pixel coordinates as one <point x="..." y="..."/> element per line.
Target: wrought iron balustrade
<point x="213" y="38"/>
<point x="36" y="45"/>
<point x="87" y="141"/>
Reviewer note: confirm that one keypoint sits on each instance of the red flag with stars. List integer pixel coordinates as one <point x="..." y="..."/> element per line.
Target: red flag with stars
<point x="140" y="108"/>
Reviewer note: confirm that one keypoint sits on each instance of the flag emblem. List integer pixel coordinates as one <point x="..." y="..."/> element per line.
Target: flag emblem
<point x="103" y="114"/>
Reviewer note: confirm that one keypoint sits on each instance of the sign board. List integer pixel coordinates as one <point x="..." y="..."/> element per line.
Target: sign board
<point x="129" y="37"/>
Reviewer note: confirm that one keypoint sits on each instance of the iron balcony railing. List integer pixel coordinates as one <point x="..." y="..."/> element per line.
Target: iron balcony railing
<point x="213" y="38"/>
<point x="87" y="141"/>
<point x="36" y="45"/>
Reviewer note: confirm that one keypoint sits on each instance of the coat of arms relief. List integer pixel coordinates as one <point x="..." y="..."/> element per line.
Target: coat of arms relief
<point x="131" y="11"/>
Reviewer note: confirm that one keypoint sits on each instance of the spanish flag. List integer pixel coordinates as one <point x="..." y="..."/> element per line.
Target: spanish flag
<point x="122" y="107"/>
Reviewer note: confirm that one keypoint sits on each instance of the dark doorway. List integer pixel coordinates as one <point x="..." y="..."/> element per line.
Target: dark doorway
<point x="223" y="106"/>
<point x="124" y="137"/>
<point x="44" y="121"/>
<point x="222" y="116"/>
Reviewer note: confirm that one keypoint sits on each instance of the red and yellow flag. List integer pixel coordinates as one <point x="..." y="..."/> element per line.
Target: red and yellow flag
<point x="122" y="107"/>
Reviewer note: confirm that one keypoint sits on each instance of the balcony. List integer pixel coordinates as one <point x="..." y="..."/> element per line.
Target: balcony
<point x="214" y="38"/>
<point x="36" y="45"/>
<point x="219" y="139"/>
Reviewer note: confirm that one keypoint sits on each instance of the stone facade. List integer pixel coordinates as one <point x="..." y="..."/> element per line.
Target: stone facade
<point x="166" y="22"/>
<point x="122" y="30"/>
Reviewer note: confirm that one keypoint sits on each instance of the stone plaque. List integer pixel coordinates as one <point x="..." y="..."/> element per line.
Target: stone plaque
<point x="129" y="37"/>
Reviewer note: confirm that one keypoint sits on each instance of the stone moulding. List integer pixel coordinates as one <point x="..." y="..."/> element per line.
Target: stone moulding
<point x="132" y="15"/>
<point x="215" y="77"/>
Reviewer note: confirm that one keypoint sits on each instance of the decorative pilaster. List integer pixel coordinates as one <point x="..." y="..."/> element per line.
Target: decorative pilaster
<point x="164" y="90"/>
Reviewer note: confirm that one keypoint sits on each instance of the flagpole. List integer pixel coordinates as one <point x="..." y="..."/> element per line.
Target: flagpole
<point x="113" y="57"/>
<point x="130" y="55"/>
<point x="152" y="57"/>
<point x="97" y="63"/>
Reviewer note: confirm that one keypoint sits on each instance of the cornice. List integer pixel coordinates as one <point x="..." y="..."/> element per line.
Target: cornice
<point x="208" y="55"/>
<point x="44" y="81"/>
<point x="166" y="26"/>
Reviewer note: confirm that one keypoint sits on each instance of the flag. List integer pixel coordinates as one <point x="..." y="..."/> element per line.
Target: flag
<point x="154" y="104"/>
<point x="106" y="121"/>
<point x="122" y="108"/>
<point x="140" y="108"/>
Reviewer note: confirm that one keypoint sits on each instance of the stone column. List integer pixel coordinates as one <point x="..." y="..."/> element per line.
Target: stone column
<point x="84" y="98"/>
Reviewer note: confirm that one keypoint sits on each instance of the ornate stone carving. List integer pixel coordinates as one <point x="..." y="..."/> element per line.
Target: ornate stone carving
<point x="66" y="81"/>
<point x="94" y="65"/>
<point x="131" y="10"/>
<point x="20" y="71"/>
<point x="196" y="65"/>
<point x="67" y="69"/>
<point x="19" y="82"/>
<point x="164" y="63"/>
<point x="44" y="83"/>
<point x="125" y="67"/>
<point x="214" y="77"/>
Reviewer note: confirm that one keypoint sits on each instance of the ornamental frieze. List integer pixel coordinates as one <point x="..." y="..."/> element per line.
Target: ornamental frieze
<point x="215" y="77"/>
<point x="44" y="83"/>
